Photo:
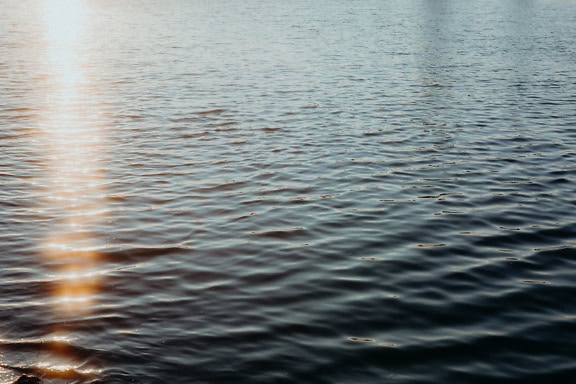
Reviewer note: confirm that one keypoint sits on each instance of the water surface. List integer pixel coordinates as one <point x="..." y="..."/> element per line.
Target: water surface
<point x="288" y="192"/>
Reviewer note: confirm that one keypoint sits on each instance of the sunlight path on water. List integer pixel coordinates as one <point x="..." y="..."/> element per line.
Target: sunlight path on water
<point x="73" y="140"/>
<point x="73" y="132"/>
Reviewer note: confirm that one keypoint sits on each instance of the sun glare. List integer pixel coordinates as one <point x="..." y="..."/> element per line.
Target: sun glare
<point x="65" y="20"/>
<point x="65" y="24"/>
<point x="74" y="135"/>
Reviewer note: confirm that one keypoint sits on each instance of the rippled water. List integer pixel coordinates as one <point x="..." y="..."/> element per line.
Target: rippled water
<point x="223" y="191"/>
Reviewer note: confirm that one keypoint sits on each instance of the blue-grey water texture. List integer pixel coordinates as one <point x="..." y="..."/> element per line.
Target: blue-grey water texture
<point x="306" y="192"/>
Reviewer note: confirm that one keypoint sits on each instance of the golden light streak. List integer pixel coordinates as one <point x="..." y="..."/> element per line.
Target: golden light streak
<point x="74" y="137"/>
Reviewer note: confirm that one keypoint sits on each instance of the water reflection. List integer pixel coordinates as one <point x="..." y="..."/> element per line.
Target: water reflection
<point x="74" y="139"/>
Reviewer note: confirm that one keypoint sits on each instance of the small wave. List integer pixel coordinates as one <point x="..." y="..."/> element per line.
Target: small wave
<point x="134" y="254"/>
<point x="281" y="233"/>
<point x="49" y="358"/>
<point x="194" y="135"/>
<point x="216" y="111"/>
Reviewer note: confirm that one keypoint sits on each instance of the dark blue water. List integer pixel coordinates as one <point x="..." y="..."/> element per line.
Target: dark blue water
<point x="298" y="192"/>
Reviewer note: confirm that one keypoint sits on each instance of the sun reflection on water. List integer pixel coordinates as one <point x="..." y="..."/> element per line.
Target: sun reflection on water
<point x="65" y="24"/>
<point x="74" y="136"/>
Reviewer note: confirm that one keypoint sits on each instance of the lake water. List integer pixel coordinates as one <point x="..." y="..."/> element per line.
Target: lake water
<point x="306" y="192"/>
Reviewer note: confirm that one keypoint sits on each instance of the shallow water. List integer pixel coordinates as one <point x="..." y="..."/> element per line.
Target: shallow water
<point x="288" y="192"/>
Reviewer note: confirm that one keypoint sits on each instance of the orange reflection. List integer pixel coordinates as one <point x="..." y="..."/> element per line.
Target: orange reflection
<point x="74" y="138"/>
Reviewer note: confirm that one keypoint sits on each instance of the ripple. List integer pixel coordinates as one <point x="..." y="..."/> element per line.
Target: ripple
<point x="305" y="199"/>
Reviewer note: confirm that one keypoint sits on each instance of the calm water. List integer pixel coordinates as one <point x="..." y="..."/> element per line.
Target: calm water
<point x="338" y="192"/>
